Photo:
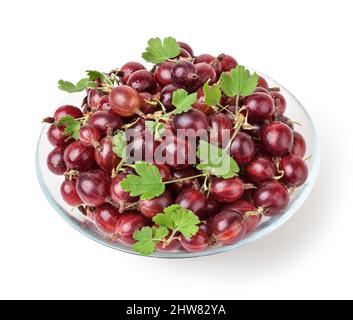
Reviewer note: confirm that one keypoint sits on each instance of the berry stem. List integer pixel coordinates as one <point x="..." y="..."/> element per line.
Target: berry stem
<point x="48" y="120"/>
<point x="187" y="178"/>
<point x="260" y="211"/>
<point x="238" y="125"/>
<point x="170" y="239"/>
<point x="281" y="172"/>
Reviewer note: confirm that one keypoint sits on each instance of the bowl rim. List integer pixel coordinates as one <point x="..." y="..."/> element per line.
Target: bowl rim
<point x="283" y="218"/>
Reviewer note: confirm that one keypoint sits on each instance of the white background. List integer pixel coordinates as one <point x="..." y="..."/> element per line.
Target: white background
<point x="305" y="45"/>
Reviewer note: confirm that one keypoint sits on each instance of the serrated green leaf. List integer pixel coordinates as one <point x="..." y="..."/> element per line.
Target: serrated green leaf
<point x="94" y="75"/>
<point x="182" y="101"/>
<point x="184" y="221"/>
<point x="212" y="94"/>
<point x="216" y="161"/>
<point x="72" y="126"/>
<point x="164" y="220"/>
<point x="238" y="82"/>
<point x="66" y="86"/>
<point x="174" y="218"/>
<point x="158" y="52"/>
<point x="82" y="85"/>
<point x="147" y="238"/>
<point x="147" y="184"/>
<point x="120" y="144"/>
<point x="160" y="233"/>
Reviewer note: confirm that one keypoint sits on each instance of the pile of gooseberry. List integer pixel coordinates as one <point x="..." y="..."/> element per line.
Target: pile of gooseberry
<point x="269" y="152"/>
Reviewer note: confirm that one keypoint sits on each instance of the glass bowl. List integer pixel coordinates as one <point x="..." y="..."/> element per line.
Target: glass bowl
<point x="295" y="111"/>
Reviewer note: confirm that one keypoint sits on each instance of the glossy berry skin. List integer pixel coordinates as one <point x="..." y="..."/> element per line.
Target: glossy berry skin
<point x="280" y="102"/>
<point x="200" y="103"/>
<point x="146" y="107"/>
<point x="220" y="126"/>
<point x="212" y="206"/>
<point x="184" y="72"/>
<point x="173" y="246"/>
<point x="186" y="47"/>
<point x="128" y="69"/>
<point x="150" y="208"/>
<point x="167" y="95"/>
<point x="130" y="222"/>
<point x="286" y="121"/>
<point x="179" y="153"/>
<point x="197" y="243"/>
<point x="194" y="201"/>
<point x="242" y="207"/>
<point x="69" y="193"/>
<point x="104" y="104"/>
<point x="277" y="138"/>
<point x="55" y="161"/>
<point x="56" y="135"/>
<point x="118" y="194"/>
<point x="67" y="110"/>
<point x="227" y="190"/>
<point x="106" y="122"/>
<point x="105" y="157"/>
<point x="194" y="120"/>
<point x="228" y="227"/>
<point x="163" y="73"/>
<point x="164" y="171"/>
<point x="299" y="145"/>
<point x="127" y="240"/>
<point x="263" y="90"/>
<point x="142" y="81"/>
<point x="260" y="106"/>
<point x="184" y="54"/>
<point x="77" y="156"/>
<point x="260" y="170"/>
<point x="295" y="170"/>
<point x="213" y="61"/>
<point x="205" y="73"/>
<point x="93" y="187"/>
<point x="125" y="101"/>
<point x="263" y="83"/>
<point x="227" y="62"/>
<point x="272" y="196"/>
<point x="178" y="187"/>
<point x="242" y="148"/>
<point x="90" y="135"/>
<point x="106" y="218"/>
<point x="93" y="99"/>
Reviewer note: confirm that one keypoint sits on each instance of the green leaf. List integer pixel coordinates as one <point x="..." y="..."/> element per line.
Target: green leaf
<point x="164" y="220"/>
<point x="147" y="238"/>
<point x="160" y="233"/>
<point x="175" y="219"/>
<point x="158" y="52"/>
<point x="120" y="144"/>
<point x="216" y="161"/>
<point x="179" y="219"/>
<point x="82" y="85"/>
<point x="212" y="95"/>
<point x="238" y="82"/>
<point x="183" y="101"/>
<point x="94" y="75"/>
<point x="72" y="126"/>
<point x="147" y="184"/>
<point x="156" y="128"/>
